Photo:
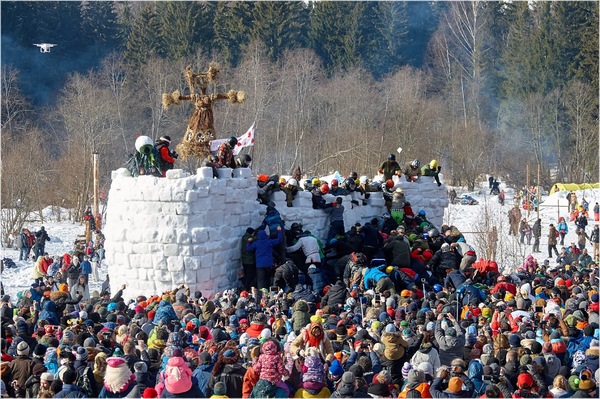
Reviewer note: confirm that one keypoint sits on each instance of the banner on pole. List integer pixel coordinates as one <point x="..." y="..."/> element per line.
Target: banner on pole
<point x="245" y="140"/>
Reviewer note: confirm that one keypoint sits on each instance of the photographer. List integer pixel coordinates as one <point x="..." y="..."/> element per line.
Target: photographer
<point x="449" y="384"/>
<point x="451" y="340"/>
<point x="165" y="159"/>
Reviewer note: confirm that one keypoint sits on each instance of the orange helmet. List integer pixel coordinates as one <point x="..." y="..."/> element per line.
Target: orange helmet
<point x="389" y="183"/>
<point x="263" y="178"/>
<point x="324" y="188"/>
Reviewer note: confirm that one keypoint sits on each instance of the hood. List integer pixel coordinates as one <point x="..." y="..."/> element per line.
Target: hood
<point x="178" y="376"/>
<point x="475" y="370"/>
<point x="301" y="306"/>
<point x="58" y="295"/>
<point x="388" y="338"/>
<point x="269" y="348"/>
<point x="50" y="306"/>
<point x="180" y="297"/>
<point x="526" y="288"/>
<point x="262" y="235"/>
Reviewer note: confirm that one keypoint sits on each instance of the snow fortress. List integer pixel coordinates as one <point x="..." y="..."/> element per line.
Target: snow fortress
<point x="163" y="232"/>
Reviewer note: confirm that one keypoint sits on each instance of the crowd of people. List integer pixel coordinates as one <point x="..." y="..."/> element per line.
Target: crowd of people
<point x="396" y="307"/>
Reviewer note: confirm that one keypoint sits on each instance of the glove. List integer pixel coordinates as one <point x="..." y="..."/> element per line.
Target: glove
<point x="439" y="184"/>
<point x="439" y="168"/>
<point x="175" y="155"/>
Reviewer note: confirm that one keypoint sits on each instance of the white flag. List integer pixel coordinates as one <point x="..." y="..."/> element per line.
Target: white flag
<point x="246" y="140"/>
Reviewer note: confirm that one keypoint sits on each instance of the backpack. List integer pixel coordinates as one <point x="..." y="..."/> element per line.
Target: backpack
<point x="264" y="389"/>
<point x="83" y="382"/>
<point x="556" y="233"/>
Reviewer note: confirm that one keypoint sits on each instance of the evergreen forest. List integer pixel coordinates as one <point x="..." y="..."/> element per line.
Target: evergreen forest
<point x="481" y="86"/>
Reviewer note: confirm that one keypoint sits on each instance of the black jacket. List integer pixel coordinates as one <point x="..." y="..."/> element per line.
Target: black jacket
<point x="336" y="295"/>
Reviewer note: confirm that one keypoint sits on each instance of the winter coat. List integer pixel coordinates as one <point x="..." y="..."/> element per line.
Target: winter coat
<point x="248" y="257"/>
<point x="455" y="279"/>
<point x="372" y="276"/>
<point x="475" y="373"/>
<point x="202" y="374"/>
<point x="70" y="391"/>
<point x="552" y="239"/>
<point x="20" y="369"/>
<point x="49" y="313"/>
<point x="263" y="246"/>
<point x="305" y="293"/>
<point x="395" y="345"/>
<point x="308" y="243"/>
<point x="426" y="355"/>
<point x="20" y="241"/>
<point x="62" y="299"/>
<point x="301" y="316"/>
<point x="86" y="267"/>
<point x="232" y="376"/>
<point x="302" y="342"/>
<point x="81" y="289"/>
<point x="73" y="271"/>
<point x="336" y="295"/>
<point x="287" y="274"/>
<point x="165" y="312"/>
<point x="397" y="251"/>
<point x="450" y="347"/>
<point x="132" y="391"/>
<point x="269" y="365"/>
<point x="444" y="260"/>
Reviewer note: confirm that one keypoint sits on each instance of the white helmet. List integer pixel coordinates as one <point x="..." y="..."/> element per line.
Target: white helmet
<point x="142" y="143"/>
<point x="293" y="182"/>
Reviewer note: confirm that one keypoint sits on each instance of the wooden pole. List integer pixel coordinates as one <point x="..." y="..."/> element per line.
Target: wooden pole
<point x="96" y="183"/>
<point x="539" y="197"/>
<point x="527" y="194"/>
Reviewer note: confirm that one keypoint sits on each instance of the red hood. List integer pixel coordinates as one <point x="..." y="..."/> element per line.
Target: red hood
<point x="254" y="330"/>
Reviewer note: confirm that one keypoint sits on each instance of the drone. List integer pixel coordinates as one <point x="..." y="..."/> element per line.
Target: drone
<point x="45" y="47"/>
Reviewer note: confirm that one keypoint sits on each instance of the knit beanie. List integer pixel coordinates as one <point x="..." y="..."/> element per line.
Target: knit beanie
<point x="455" y="385"/>
<point x="141" y="367"/>
<point x="150" y="393"/>
<point x="336" y="368"/>
<point x="220" y="389"/>
<point x="415" y="376"/>
<point x="22" y="349"/>
<point x="81" y="354"/>
<point x="406" y="369"/>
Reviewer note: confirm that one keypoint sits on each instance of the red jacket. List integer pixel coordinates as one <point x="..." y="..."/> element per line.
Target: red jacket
<point x="45" y="265"/>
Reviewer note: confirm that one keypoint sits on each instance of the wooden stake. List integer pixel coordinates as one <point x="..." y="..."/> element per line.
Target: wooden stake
<point x="527" y="196"/>
<point x="96" y="182"/>
<point x="539" y="197"/>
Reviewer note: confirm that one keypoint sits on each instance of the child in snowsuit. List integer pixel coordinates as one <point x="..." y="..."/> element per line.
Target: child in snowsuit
<point x="270" y="367"/>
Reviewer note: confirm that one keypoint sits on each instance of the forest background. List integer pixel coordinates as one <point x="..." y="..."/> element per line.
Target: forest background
<point x="484" y="87"/>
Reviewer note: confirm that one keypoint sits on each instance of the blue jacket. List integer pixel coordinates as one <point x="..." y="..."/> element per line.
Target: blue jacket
<point x="476" y="375"/>
<point x="264" y="248"/>
<point x="202" y="374"/>
<point x="373" y="274"/>
<point x="318" y="280"/>
<point x="562" y="226"/>
<point x="272" y="219"/>
<point x="70" y="391"/>
<point x="86" y="267"/>
<point x="165" y="311"/>
<point x="49" y="313"/>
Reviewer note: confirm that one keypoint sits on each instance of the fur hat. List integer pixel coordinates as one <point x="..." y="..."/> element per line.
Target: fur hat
<point x="178" y="376"/>
<point x="22" y="349"/>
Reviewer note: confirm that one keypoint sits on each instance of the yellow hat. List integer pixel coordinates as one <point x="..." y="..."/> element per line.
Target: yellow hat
<point x="389" y="269"/>
<point x="508" y="296"/>
<point x="486" y="312"/>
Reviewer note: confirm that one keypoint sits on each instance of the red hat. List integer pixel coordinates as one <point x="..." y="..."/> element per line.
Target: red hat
<point x="139" y="309"/>
<point x="244" y="294"/>
<point x="151" y="314"/>
<point x="524" y="381"/>
<point x="150" y="393"/>
<point x="568" y="283"/>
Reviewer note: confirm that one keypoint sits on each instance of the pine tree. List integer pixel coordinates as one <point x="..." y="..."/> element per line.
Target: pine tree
<point x="143" y="40"/>
<point x="280" y="26"/>
<point x="232" y="25"/>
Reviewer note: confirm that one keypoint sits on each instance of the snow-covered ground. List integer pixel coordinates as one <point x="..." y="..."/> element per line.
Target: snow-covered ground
<point x="472" y="220"/>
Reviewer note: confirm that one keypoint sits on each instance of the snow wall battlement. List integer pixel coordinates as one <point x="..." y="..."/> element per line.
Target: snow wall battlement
<point x="163" y="232"/>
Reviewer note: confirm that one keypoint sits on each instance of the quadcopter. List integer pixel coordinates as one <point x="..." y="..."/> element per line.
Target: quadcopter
<point x="45" y="47"/>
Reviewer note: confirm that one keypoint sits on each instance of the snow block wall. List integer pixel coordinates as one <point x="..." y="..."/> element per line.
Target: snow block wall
<point x="425" y="194"/>
<point x="163" y="232"/>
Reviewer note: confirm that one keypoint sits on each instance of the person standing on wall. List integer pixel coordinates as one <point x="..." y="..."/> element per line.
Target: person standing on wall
<point x="165" y="158"/>
<point x="225" y="154"/>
